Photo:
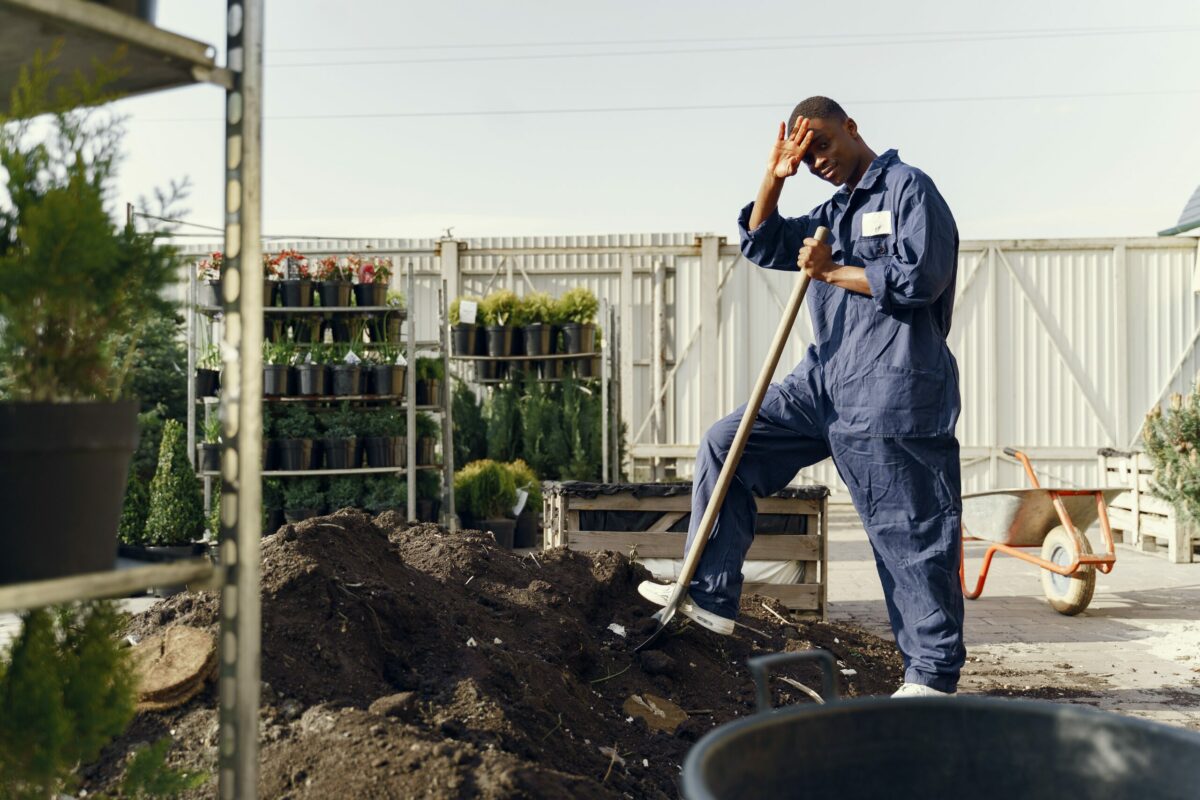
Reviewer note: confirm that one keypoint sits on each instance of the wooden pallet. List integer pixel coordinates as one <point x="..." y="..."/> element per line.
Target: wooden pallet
<point x="1140" y="520"/>
<point x="562" y="510"/>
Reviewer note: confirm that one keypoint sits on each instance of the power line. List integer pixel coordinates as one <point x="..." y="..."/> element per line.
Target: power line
<point x="807" y="45"/>
<point x="684" y="108"/>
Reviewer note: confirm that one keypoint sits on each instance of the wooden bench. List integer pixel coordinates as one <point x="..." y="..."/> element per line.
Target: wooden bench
<point x="793" y="526"/>
<point x="1140" y="519"/>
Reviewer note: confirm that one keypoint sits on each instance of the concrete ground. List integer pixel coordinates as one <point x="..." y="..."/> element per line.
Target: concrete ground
<point x="1136" y="650"/>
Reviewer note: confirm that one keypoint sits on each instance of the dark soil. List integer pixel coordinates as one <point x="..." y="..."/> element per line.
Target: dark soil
<point x="405" y="662"/>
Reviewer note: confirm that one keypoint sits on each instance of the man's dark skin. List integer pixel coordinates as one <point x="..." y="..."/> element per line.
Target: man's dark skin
<point x="833" y="151"/>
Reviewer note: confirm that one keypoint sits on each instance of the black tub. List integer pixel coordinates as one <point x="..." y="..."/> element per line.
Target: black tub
<point x="933" y="747"/>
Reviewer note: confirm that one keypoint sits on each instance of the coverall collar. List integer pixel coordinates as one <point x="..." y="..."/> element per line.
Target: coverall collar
<point x="875" y="171"/>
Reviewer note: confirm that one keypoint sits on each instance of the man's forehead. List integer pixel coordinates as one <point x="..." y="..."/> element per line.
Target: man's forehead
<point x="825" y="126"/>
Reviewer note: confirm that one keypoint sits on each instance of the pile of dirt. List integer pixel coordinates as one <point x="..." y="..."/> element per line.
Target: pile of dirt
<point x="404" y="661"/>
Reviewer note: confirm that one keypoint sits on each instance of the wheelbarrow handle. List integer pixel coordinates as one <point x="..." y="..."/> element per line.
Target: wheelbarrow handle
<point x="1012" y="452"/>
<point x="760" y="665"/>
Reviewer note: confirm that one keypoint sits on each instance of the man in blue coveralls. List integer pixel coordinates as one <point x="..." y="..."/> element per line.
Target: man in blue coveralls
<point x="877" y="392"/>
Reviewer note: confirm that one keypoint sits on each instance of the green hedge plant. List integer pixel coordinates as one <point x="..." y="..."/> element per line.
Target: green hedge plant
<point x="176" y="499"/>
<point x="498" y="307"/>
<point x="484" y="490"/>
<point x="1172" y="440"/>
<point x="301" y="494"/>
<point x="345" y="491"/>
<point x="455" y="306"/>
<point x="578" y="305"/>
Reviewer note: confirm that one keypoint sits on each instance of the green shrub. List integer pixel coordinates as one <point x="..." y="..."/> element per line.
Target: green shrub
<point x="384" y="492"/>
<point x="176" y="500"/>
<point x="303" y="494"/>
<point x="524" y="478"/>
<point x="147" y="774"/>
<point x="344" y="423"/>
<point x="454" y="307"/>
<point x="581" y="427"/>
<point x="136" y="508"/>
<point x="345" y="491"/>
<point x="498" y="307"/>
<point x="578" y="305"/>
<point x="272" y="494"/>
<point x="429" y="484"/>
<point x="1172" y="440"/>
<point x="295" y="422"/>
<point x="544" y="441"/>
<point x="504" y="422"/>
<point x="430" y="369"/>
<point x="157" y="377"/>
<point x="470" y="430"/>
<point x="484" y="490"/>
<point x="212" y="430"/>
<point x="67" y="688"/>
<point x="533" y="308"/>
<point x="427" y="426"/>
<point x="212" y="522"/>
<point x="394" y="421"/>
<point x="281" y="352"/>
<point x="150" y="427"/>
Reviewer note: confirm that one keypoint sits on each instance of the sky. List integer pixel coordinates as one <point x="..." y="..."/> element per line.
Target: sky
<point x="1035" y="119"/>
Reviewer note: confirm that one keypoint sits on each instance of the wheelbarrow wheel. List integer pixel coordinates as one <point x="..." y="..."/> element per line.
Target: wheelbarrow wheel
<point x="1067" y="594"/>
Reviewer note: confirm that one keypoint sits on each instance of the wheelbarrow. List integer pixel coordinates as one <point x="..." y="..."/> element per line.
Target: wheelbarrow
<point x="986" y="748"/>
<point x="1016" y="520"/>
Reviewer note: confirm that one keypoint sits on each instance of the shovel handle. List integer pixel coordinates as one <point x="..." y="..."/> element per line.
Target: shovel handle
<point x="734" y="457"/>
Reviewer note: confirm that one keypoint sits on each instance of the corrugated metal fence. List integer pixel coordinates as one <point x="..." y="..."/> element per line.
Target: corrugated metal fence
<point x="1063" y="345"/>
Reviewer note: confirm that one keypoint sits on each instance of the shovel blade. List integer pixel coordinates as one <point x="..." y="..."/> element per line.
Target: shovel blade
<point x="664" y="617"/>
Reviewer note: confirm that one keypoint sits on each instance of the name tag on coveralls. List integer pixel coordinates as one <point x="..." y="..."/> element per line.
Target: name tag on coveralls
<point x="877" y="223"/>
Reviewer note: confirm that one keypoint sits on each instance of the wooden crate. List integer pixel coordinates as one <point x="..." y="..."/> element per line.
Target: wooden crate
<point x="563" y="504"/>
<point x="1141" y="520"/>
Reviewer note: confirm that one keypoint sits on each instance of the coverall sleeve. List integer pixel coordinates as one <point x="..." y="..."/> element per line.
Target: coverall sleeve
<point x="775" y="243"/>
<point x="924" y="261"/>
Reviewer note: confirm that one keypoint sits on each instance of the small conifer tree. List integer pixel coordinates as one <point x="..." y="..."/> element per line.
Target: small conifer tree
<point x="176" y="499"/>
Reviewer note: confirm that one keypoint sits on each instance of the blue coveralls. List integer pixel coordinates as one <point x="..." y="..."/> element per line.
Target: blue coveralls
<point x="877" y="392"/>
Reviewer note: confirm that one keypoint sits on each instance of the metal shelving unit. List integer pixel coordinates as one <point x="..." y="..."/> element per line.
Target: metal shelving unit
<point x="157" y="60"/>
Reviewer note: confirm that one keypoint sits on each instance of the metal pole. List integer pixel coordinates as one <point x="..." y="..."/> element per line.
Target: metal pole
<point x="656" y="357"/>
<point x="605" y="348"/>
<point x="410" y="377"/>
<point x="449" y="512"/>
<point x="241" y="407"/>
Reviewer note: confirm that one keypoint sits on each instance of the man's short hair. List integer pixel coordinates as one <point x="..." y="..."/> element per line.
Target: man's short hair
<point x="816" y="107"/>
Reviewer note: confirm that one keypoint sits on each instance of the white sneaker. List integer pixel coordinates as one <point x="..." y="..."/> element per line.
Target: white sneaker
<point x="659" y="594"/>
<point x="919" y="690"/>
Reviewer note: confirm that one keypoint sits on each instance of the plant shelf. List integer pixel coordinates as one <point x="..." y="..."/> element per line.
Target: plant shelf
<point x="118" y="583"/>
<point x="301" y="473"/>
<point x="551" y="357"/>
<point x="401" y="312"/>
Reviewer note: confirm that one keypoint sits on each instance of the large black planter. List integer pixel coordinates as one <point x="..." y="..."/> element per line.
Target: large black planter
<point x="275" y="380"/>
<point x="578" y="338"/>
<point x="502" y="529"/>
<point x="295" y="293"/>
<point x="62" y="484"/>
<point x="526" y="533"/>
<point x="159" y="554"/>
<point x="386" y="379"/>
<point x="209" y="457"/>
<point x="346" y="379"/>
<point x="370" y="294"/>
<point x="334" y="294"/>
<point x="379" y="451"/>
<point x="208" y="381"/>
<point x="310" y="379"/>
<point x="294" y="454"/>
<point x="341" y="453"/>
<point x="463" y="337"/>
<point x="208" y="294"/>
<point x="499" y="340"/>
<point x="426" y="450"/>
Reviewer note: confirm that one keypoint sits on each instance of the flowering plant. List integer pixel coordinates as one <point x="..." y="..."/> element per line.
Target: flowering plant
<point x="289" y="258"/>
<point x="209" y="269"/>
<point x="331" y="268"/>
<point x="372" y="269"/>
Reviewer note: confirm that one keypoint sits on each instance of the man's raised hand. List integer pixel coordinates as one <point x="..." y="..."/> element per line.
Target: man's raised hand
<point x="788" y="152"/>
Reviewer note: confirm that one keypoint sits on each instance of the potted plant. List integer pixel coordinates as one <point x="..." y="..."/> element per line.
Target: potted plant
<point x="333" y="282"/>
<point x="395" y="428"/>
<point x="385" y="325"/>
<point x="464" y="341"/>
<point x="497" y="312"/>
<point x="176" y="518"/>
<point x="210" y="448"/>
<point x="577" y="309"/>
<point x="524" y="479"/>
<point x="208" y="375"/>
<point x="385" y="493"/>
<point x="277" y="360"/>
<point x="295" y="285"/>
<point x="340" y="442"/>
<point x="270" y="455"/>
<point x="272" y="273"/>
<point x="429" y="495"/>
<point x="373" y="274"/>
<point x="386" y="377"/>
<point x="428" y="432"/>
<point x="312" y="372"/>
<point x="208" y="277"/>
<point x="430" y="374"/>
<point x="484" y="493"/>
<point x="535" y="316"/>
<point x="346" y="368"/>
<point x="272" y="498"/>
<point x="378" y="427"/>
<point x="345" y="491"/>
<point x="295" y="430"/>
<point x="303" y="499"/>
<point x="75" y="301"/>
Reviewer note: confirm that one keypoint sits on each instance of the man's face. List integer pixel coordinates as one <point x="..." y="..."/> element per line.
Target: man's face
<point x="834" y="152"/>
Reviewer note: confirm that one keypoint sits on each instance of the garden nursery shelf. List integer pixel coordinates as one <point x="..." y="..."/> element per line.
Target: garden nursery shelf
<point x="213" y="311"/>
<point x="302" y="473"/>
<point x="331" y="398"/>
<point x="548" y="357"/>
<point x="198" y="573"/>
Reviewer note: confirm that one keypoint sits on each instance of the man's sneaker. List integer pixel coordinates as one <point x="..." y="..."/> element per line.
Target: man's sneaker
<point x="659" y="594"/>
<point x="919" y="690"/>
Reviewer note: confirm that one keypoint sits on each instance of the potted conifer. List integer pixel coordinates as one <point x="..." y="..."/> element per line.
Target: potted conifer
<point x="385" y="493"/>
<point x="377" y="431"/>
<point x="295" y="430"/>
<point x="465" y="334"/>
<point x="303" y="499"/>
<point x="340" y="442"/>
<point x="578" y="307"/>
<point x="497" y="313"/>
<point x="430" y="374"/>
<point x="176" y="518"/>
<point x="428" y="432"/>
<point x="484" y="493"/>
<point x="535" y="316"/>
<point x="345" y="491"/>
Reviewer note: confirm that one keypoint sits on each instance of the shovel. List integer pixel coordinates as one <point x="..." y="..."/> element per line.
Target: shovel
<point x="667" y="612"/>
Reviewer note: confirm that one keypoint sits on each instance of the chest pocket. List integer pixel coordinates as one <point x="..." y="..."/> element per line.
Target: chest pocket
<point x="868" y="250"/>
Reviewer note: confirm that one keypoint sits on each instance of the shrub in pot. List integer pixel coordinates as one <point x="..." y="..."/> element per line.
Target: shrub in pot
<point x="295" y="285"/>
<point x="431" y="373"/>
<point x="210" y="448"/>
<point x="312" y="371"/>
<point x="394" y="427"/>
<point x="176" y="518"/>
<point x="534" y="316"/>
<point x="303" y="499"/>
<point x="372" y="274"/>
<point x="464" y="335"/>
<point x="496" y="312"/>
<point x="484" y="494"/>
<point x="428" y="431"/>
<point x="577" y="308"/>
<point x="345" y="491"/>
<point x="376" y="428"/>
<point x="525" y="480"/>
<point x="346" y="369"/>
<point x="272" y="498"/>
<point x="277" y="360"/>
<point x="429" y="495"/>
<point x="295" y="430"/>
<point x="385" y="493"/>
<point x="339" y="444"/>
<point x="76" y="296"/>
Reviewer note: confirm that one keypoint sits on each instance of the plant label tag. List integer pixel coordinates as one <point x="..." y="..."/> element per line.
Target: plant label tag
<point x="351" y="358"/>
<point x="400" y="361"/>
<point x="522" y="496"/>
<point x="466" y="312"/>
<point x="877" y="223"/>
<point x="308" y="358"/>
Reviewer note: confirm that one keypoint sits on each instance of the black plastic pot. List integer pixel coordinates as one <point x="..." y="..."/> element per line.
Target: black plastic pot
<point x="270" y="455"/>
<point x="208" y="294"/>
<point x="385" y="327"/>
<point x="400" y="451"/>
<point x="341" y="453"/>
<point x="295" y="293"/>
<point x="334" y="294"/>
<point x="526" y="532"/>
<point x="62" y="484"/>
<point x="370" y="294"/>
<point x="160" y="554"/>
<point x="275" y="380"/>
<point x="463" y="336"/>
<point x="338" y="326"/>
<point x="208" y="381"/>
<point x="499" y="340"/>
<point x="384" y="379"/>
<point x="275" y="521"/>
<point x="306" y="329"/>
<point x="346" y="379"/>
<point x="270" y="292"/>
<point x="537" y="339"/>
<point x="502" y="529"/>
<point x="426" y="450"/>
<point x="294" y="454"/>
<point x="310" y="379"/>
<point x="429" y="392"/>
<point x="379" y="451"/>
<point x="294" y="515"/>
<point x="490" y="370"/>
<point x="209" y="457"/>
<point x="578" y="338"/>
<point x="428" y="509"/>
